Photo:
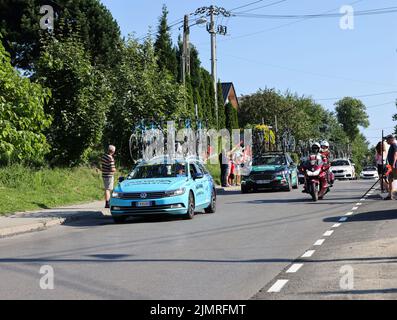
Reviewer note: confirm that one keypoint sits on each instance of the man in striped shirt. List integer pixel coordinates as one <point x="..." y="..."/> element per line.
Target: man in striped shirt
<point x="108" y="170"/>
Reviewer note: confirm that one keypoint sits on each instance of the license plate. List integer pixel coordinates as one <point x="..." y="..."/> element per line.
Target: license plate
<point x="263" y="181"/>
<point x="144" y="204"/>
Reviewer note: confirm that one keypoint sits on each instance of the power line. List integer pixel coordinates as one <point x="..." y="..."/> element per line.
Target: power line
<point x="320" y="15"/>
<point x="265" y="6"/>
<point x="246" y="5"/>
<point x="259" y="63"/>
<point x="360" y="96"/>
<point x="282" y="25"/>
<point x="170" y="27"/>
<point x="382" y="104"/>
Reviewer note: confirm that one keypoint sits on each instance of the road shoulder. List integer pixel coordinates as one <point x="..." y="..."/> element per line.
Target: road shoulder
<point x="357" y="262"/>
<point x="25" y="222"/>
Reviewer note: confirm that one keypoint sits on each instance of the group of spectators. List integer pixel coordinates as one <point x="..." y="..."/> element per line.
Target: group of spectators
<point x="231" y="163"/>
<point x="386" y="160"/>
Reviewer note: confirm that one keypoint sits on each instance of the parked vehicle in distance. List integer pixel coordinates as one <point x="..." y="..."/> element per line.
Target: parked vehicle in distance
<point x="343" y="169"/>
<point x="161" y="186"/>
<point x="370" y="172"/>
<point x="273" y="170"/>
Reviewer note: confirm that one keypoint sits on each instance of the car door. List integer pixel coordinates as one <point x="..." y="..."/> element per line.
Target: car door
<point x="198" y="184"/>
<point x="207" y="181"/>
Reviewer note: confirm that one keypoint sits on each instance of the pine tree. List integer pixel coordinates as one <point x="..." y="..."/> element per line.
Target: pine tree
<point x="164" y="49"/>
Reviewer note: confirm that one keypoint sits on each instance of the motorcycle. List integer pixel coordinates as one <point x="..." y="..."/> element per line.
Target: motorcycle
<point x="315" y="172"/>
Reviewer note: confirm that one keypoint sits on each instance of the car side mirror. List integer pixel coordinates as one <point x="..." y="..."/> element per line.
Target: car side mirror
<point x="198" y="176"/>
<point x="121" y="179"/>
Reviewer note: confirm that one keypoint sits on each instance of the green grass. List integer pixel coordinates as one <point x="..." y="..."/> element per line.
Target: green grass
<point x="25" y="189"/>
<point x="215" y="171"/>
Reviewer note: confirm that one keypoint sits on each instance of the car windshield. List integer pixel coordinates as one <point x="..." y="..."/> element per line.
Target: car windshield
<point x="370" y="169"/>
<point x="163" y="170"/>
<point x="269" y="160"/>
<point x="338" y="163"/>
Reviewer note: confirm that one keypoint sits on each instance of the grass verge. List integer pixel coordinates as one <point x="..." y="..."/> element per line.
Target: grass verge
<point x="25" y="189"/>
<point x="215" y="171"/>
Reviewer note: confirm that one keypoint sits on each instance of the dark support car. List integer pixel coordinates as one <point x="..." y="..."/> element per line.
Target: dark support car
<point x="274" y="170"/>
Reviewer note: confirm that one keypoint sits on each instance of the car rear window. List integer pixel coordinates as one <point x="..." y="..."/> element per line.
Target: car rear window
<point x="338" y="163"/>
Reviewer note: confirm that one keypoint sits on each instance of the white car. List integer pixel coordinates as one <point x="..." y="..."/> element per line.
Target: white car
<point x="343" y="169"/>
<point x="369" y="173"/>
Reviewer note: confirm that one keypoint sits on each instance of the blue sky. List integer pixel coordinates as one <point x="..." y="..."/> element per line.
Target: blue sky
<point x="314" y="57"/>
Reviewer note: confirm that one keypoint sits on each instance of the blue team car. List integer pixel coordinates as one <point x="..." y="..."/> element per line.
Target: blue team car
<point x="161" y="186"/>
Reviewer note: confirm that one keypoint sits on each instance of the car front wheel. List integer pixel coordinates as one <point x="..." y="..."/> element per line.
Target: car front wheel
<point x="190" y="207"/>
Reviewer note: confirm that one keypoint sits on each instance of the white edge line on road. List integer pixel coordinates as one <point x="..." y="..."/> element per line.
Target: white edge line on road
<point x="319" y="242"/>
<point x="363" y="199"/>
<point x="343" y="219"/>
<point x="278" y="285"/>
<point x="294" y="268"/>
<point x="336" y="225"/>
<point x="349" y="213"/>
<point x="308" y="253"/>
<point x="328" y="233"/>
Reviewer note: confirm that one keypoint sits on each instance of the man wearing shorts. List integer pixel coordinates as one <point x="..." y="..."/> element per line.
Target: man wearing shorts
<point x="108" y="170"/>
<point x="392" y="161"/>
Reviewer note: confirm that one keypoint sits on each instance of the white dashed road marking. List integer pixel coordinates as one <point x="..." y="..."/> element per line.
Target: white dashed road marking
<point x="328" y="233"/>
<point x="278" y="286"/>
<point x="349" y="213"/>
<point x="336" y="225"/>
<point x="308" y="253"/>
<point x="354" y="208"/>
<point x="358" y="204"/>
<point x="319" y="242"/>
<point x="294" y="268"/>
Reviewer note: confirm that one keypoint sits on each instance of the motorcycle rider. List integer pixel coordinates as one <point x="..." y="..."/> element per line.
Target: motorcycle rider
<point x="315" y="156"/>
<point x="325" y="153"/>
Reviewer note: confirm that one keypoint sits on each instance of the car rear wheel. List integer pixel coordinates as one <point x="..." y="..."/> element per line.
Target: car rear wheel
<point x="212" y="207"/>
<point x="190" y="207"/>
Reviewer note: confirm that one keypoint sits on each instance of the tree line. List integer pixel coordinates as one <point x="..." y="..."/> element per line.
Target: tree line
<point x="308" y="120"/>
<point x="99" y="84"/>
<point x="67" y="93"/>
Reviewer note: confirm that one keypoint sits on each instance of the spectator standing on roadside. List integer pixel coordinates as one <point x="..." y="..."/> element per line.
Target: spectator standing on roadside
<point x="392" y="161"/>
<point x="108" y="169"/>
<point x="224" y="163"/>
<point x="380" y="156"/>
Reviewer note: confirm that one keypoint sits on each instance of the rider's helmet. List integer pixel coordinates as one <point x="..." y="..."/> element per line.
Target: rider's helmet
<point x="315" y="148"/>
<point x="324" y="145"/>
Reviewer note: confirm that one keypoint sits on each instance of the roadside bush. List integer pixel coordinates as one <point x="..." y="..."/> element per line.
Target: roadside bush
<point x="22" y="117"/>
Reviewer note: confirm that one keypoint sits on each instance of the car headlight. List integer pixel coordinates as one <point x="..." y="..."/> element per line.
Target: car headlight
<point x="116" y="194"/>
<point x="174" y="193"/>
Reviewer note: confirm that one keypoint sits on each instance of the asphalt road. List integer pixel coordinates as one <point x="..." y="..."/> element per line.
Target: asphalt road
<point x="231" y="254"/>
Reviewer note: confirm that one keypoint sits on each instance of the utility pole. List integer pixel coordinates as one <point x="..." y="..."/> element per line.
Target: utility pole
<point x="185" y="49"/>
<point x="213" y="30"/>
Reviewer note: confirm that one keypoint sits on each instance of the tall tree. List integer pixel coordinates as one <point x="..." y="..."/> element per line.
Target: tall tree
<point x="164" y="48"/>
<point x="80" y="98"/>
<point x="20" y="25"/>
<point x="22" y="117"/>
<point x="142" y="91"/>
<point x="351" y="113"/>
